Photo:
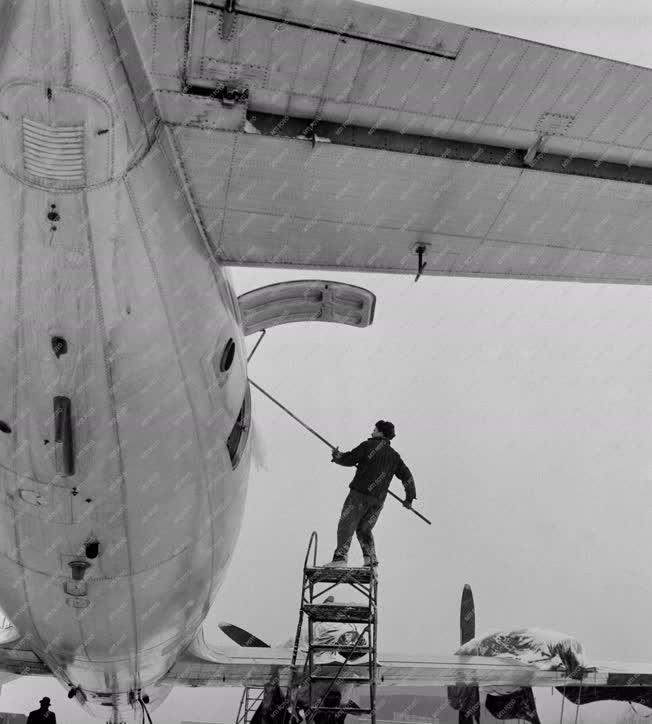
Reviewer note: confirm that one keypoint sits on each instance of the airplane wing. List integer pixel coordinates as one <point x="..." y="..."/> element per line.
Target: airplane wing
<point x="338" y="135"/>
<point x="20" y="662"/>
<point x="16" y="656"/>
<point x="213" y="666"/>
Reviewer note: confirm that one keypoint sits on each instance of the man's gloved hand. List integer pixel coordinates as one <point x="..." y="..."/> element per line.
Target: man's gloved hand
<point x="407" y="503"/>
<point x="336" y="454"/>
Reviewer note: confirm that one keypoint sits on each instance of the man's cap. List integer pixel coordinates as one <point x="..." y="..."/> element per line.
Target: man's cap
<point x="45" y="700"/>
<point x="329" y="599"/>
<point x="386" y="428"/>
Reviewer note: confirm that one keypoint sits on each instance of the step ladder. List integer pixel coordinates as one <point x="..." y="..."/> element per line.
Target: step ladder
<point x="323" y="681"/>
<point x="252" y="697"/>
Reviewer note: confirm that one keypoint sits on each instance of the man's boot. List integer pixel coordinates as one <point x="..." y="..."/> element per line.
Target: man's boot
<point x="337" y="562"/>
<point x="373" y="564"/>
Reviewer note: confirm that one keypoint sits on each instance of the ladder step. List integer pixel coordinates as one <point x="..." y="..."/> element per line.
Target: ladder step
<point x="363" y="648"/>
<point x="360" y="679"/>
<point x="323" y="574"/>
<point x="328" y="672"/>
<point x="343" y="709"/>
<point x="350" y="659"/>
<point x="351" y="613"/>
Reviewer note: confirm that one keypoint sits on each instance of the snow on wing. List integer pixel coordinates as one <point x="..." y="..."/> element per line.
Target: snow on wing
<point x="549" y="650"/>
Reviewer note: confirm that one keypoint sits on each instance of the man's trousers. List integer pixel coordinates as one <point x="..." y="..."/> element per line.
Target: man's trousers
<point x="359" y="515"/>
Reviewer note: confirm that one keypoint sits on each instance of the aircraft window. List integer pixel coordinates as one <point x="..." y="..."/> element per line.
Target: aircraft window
<point x="237" y="440"/>
<point x="227" y="356"/>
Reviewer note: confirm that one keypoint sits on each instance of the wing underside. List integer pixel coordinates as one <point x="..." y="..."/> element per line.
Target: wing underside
<point x="20" y="662"/>
<point x="338" y="135"/>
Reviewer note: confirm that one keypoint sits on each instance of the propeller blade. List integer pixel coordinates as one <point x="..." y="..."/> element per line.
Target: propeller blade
<point x="469" y="695"/>
<point x="467" y="615"/>
<point x="242" y="637"/>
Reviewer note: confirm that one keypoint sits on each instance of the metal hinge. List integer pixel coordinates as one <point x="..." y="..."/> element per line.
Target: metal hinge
<point x="421" y="249"/>
<point x="230" y="93"/>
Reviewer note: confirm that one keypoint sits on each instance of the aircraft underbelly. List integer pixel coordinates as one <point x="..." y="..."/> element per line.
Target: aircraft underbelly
<point x="121" y="275"/>
<point x="122" y="370"/>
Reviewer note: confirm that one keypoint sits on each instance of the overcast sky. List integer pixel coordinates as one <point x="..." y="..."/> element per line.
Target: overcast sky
<point x="522" y="408"/>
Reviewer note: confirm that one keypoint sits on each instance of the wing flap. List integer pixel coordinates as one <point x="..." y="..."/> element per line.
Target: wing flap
<point x="353" y="63"/>
<point x="337" y="206"/>
<point x="343" y="34"/>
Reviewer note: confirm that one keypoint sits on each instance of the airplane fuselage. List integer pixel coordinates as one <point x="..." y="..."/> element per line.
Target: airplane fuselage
<point x="123" y="386"/>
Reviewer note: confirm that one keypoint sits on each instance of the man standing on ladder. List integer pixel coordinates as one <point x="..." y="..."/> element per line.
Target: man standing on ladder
<point x="377" y="464"/>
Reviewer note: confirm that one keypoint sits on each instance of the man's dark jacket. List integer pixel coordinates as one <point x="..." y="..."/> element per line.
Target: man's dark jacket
<point x="37" y="717"/>
<point x="377" y="464"/>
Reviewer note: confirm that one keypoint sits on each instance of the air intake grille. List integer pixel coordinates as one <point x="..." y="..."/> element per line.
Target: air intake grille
<point x="54" y="152"/>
